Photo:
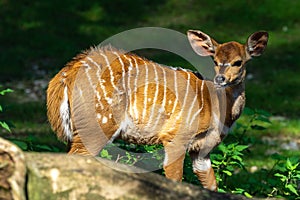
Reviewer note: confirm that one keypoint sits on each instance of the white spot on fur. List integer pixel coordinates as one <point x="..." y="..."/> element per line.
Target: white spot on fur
<point x="98" y="116"/>
<point x="65" y="115"/>
<point x="109" y="100"/>
<point x="161" y="110"/>
<point x="170" y="101"/>
<point x="104" y="120"/>
<point x="149" y="99"/>
<point x="110" y="116"/>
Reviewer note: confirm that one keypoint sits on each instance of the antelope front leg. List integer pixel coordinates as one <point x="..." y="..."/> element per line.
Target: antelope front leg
<point x="173" y="163"/>
<point x="203" y="170"/>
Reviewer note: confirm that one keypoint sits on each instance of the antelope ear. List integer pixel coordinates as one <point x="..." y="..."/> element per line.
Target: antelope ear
<point x="201" y="43"/>
<point x="257" y="43"/>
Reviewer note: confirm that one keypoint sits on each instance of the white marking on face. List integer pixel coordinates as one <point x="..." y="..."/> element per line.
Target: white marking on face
<point x="224" y="64"/>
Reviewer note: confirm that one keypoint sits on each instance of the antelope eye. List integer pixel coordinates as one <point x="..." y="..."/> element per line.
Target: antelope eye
<point x="237" y="63"/>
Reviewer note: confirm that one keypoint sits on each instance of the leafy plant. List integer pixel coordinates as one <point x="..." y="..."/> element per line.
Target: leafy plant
<point x="3" y="123"/>
<point x="228" y="157"/>
<point x="286" y="178"/>
<point x="226" y="160"/>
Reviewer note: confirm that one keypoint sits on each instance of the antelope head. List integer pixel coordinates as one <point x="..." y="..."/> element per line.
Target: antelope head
<point x="229" y="58"/>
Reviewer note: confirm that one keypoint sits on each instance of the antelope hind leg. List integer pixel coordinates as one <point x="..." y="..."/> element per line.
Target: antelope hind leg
<point x="203" y="170"/>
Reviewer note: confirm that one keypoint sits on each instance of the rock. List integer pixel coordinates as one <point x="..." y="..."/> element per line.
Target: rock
<point x="59" y="176"/>
<point x="12" y="171"/>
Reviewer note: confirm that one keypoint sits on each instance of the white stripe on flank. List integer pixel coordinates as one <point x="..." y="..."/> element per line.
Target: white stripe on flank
<point x="94" y="85"/>
<point x="64" y="111"/>
<point x="92" y="61"/>
<point x="155" y="96"/>
<point x="184" y="101"/>
<point x="185" y="96"/>
<point x="128" y="86"/>
<point x="123" y="69"/>
<point x="98" y="79"/>
<point x="202" y="105"/>
<point x="145" y="92"/>
<point x="162" y="108"/>
<point x="193" y="103"/>
<point x="165" y="88"/>
<point x="136" y="112"/>
<point x="176" y="92"/>
<point x="111" y="73"/>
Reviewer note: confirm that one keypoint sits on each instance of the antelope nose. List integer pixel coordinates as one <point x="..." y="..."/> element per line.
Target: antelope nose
<point x="219" y="79"/>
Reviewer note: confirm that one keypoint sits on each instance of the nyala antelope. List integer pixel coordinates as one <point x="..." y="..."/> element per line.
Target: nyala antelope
<point x="105" y="93"/>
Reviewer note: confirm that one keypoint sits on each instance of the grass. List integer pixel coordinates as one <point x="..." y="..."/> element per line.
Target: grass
<point x="39" y="37"/>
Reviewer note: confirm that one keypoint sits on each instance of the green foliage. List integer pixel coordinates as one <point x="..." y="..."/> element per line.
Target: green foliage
<point x="134" y="155"/>
<point x="282" y="180"/>
<point x="34" y="143"/>
<point x="3" y="123"/>
<point x="225" y="160"/>
<point x="285" y="179"/>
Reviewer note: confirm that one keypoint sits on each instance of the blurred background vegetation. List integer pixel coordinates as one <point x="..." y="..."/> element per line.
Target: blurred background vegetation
<point x="38" y="37"/>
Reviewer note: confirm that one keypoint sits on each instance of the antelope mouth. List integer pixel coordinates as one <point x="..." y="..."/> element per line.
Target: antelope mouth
<point x="221" y="85"/>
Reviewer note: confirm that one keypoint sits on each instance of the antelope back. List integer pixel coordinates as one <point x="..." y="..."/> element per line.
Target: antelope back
<point x="105" y="93"/>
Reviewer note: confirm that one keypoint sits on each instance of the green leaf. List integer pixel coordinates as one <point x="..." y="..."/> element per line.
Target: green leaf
<point x="237" y="158"/>
<point x="22" y="145"/>
<point x="104" y="154"/>
<point x="262" y="112"/>
<point x="1" y="109"/>
<point x="289" y="164"/>
<point x="279" y="175"/>
<point x="227" y="172"/>
<point x="277" y="156"/>
<point x="216" y="162"/>
<point x="291" y="188"/>
<point x="222" y="148"/>
<point x="248" y="195"/>
<point x="241" y="147"/>
<point x="3" y="92"/>
<point x="263" y="119"/>
<point x="43" y="147"/>
<point x="5" y="126"/>
<point x="258" y="127"/>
